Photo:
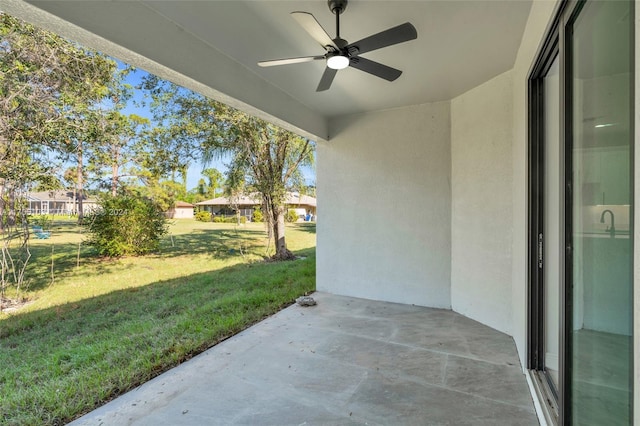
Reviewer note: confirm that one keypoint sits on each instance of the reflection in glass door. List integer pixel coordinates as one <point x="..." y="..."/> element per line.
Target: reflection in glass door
<point x="599" y="267"/>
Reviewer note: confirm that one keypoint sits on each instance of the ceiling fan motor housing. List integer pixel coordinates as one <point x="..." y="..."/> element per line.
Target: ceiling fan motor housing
<point x="337" y="6"/>
<point x="340" y="42"/>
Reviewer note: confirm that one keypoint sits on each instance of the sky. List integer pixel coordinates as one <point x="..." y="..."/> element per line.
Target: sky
<point x="194" y="171"/>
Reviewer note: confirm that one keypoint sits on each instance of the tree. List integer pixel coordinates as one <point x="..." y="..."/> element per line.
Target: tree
<point x="42" y="78"/>
<point x="262" y="156"/>
<point x="164" y="192"/>
<point x="269" y="158"/>
<point x="117" y="147"/>
<point x="172" y="143"/>
<point x="120" y="136"/>
<point x="104" y="135"/>
<point x="202" y="189"/>
<point x="70" y="178"/>
<point x="234" y="188"/>
<point x="214" y="180"/>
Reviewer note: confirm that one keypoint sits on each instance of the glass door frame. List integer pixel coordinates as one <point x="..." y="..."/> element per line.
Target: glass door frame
<point x="556" y="402"/>
<point x="557" y="43"/>
<point x="551" y="398"/>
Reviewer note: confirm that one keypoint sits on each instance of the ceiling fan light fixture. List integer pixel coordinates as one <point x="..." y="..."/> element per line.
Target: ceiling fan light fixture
<point x="337" y="62"/>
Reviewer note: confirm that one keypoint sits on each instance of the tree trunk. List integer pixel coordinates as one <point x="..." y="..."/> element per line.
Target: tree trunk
<point x="11" y="216"/>
<point x="184" y="178"/>
<point x="114" y="173"/>
<point x="282" y="253"/>
<point x="80" y="184"/>
<point x="2" y="203"/>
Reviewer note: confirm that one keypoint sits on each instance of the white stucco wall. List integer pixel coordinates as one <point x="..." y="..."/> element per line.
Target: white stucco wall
<point x="359" y="255"/>
<point x="384" y="206"/>
<point x="183" y="213"/>
<point x="540" y="16"/>
<point x="481" y="208"/>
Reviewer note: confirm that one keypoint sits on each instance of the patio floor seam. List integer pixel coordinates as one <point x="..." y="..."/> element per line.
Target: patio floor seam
<point x="442" y="352"/>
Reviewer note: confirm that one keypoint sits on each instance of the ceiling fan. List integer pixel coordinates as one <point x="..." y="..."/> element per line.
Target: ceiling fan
<point x="340" y="53"/>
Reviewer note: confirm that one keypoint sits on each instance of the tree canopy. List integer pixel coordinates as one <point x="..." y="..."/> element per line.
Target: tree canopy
<point x="63" y="121"/>
<point x="45" y="81"/>
<point x="261" y="157"/>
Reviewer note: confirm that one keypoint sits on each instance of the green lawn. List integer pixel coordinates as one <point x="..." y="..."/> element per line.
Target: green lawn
<point x="107" y="326"/>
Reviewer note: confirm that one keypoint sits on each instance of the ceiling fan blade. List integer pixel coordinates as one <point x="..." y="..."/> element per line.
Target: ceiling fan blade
<point x="327" y="79"/>
<point x="375" y="68"/>
<point x="395" y="35"/>
<point x="315" y="30"/>
<point x="287" y="61"/>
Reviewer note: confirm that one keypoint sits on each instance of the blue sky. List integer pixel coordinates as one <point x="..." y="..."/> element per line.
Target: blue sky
<point x="193" y="173"/>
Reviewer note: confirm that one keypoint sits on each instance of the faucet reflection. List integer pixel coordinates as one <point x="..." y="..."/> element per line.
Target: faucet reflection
<point x="610" y="229"/>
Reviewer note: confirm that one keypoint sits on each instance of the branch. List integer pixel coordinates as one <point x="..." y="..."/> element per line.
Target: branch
<point x="295" y="165"/>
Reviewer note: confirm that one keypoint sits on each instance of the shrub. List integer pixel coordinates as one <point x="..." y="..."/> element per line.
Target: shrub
<point x="229" y="219"/>
<point x="203" y="216"/>
<point x="292" y="216"/>
<point x="257" y="215"/>
<point x="126" y="225"/>
<point x="42" y="220"/>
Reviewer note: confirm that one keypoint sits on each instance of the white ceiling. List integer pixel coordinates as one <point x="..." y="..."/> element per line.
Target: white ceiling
<point x="217" y="44"/>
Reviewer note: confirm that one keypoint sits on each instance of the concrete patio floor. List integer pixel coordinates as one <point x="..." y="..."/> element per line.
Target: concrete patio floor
<point x="344" y="361"/>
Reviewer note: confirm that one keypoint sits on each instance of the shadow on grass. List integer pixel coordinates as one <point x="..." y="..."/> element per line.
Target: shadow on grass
<point x="214" y="242"/>
<point x="305" y="226"/>
<point x="220" y="244"/>
<point x="64" y="257"/>
<point x="64" y="361"/>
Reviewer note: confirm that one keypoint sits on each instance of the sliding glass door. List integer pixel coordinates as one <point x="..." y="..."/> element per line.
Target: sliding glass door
<point x="580" y="219"/>
<point x="600" y="207"/>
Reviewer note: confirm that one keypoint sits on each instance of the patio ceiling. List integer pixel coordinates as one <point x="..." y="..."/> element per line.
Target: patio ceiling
<point x="214" y="47"/>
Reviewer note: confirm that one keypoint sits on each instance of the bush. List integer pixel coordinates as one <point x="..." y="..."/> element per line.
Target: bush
<point x="42" y="220"/>
<point x="257" y="215"/>
<point x="229" y="219"/>
<point x="126" y="225"/>
<point x="292" y="216"/>
<point x="203" y="216"/>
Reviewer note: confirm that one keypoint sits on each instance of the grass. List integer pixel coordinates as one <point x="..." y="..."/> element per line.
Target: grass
<point x="109" y="325"/>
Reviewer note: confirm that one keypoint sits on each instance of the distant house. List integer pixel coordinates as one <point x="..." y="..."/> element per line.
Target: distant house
<point x="303" y="205"/>
<point x="58" y="202"/>
<point x="181" y="210"/>
<point x="223" y="206"/>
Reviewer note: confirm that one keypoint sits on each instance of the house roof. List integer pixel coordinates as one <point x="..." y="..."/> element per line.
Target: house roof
<point x="292" y="199"/>
<point x="224" y="201"/>
<point x="300" y="199"/>
<point x="184" y="204"/>
<point x="62" y="196"/>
